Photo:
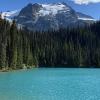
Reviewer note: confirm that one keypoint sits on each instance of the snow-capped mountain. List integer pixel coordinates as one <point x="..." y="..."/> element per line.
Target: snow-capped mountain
<point x="47" y="16"/>
<point x="10" y="15"/>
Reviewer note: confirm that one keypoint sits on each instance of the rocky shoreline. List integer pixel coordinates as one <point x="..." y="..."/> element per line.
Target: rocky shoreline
<point x="14" y="69"/>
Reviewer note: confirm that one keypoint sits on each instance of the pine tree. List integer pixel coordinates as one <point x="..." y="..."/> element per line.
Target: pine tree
<point x="13" y="45"/>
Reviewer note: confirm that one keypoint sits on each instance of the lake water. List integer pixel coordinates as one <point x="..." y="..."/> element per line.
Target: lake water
<point x="50" y="84"/>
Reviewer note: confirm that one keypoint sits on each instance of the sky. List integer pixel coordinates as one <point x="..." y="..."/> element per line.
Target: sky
<point x="89" y="7"/>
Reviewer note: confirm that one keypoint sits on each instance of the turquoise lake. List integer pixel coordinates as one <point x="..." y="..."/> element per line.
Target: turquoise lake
<point x="50" y="84"/>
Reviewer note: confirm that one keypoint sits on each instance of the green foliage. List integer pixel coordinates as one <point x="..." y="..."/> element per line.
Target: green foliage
<point x="79" y="47"/>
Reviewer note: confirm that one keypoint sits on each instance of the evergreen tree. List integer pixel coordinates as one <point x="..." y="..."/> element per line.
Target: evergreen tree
<point x="75" y="47"/>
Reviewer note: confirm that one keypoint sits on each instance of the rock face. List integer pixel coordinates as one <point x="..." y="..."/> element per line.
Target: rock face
<point x="39" y="17"/>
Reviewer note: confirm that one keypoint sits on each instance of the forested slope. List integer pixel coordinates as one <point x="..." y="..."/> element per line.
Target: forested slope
<point x="76" y="47"/>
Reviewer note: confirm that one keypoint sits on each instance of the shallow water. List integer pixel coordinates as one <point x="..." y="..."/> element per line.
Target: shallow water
<point x="50" y="84"/>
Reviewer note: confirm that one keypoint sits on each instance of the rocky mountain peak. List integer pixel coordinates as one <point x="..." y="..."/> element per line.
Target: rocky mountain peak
<point x="50" y="16"/>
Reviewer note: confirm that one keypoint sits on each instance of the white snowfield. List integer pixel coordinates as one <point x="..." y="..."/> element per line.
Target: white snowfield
<point x="80" y="18"/>
<point x="10" y="14"/>
<point x="53" y="9"/>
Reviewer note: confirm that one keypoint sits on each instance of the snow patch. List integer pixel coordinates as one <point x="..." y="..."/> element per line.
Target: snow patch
<point x="10" y="15"/>
<point x="52" y="9"/>
<point x="22" y="16"/>
<point x="86" y="19"/>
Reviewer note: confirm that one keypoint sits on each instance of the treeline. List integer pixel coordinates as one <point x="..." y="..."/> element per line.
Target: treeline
<point x="76" y="47"/>
<point x="15" y="49"/>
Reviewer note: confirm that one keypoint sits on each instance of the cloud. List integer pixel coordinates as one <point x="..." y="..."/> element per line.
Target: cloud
<point x="86" y="1"/>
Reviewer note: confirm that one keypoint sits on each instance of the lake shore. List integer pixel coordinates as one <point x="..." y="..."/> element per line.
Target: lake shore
<point x="14" y="69"/>
<point x="8" y="70"/>
<point x="18" y="69"/>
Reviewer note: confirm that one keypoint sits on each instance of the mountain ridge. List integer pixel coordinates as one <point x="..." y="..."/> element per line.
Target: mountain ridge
<point x="48" y="16"/>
